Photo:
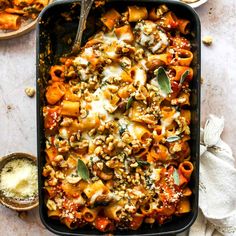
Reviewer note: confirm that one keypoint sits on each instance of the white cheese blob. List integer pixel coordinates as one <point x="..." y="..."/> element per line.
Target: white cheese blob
<point x="63" y="132"/>
<point x="163" y="41"/>
<point x="140" y="76"/>
<point x="112" y="71"/>
<point x="125" y="37"/>
<point x="155" y="174"/>
<point x="168" y="121"/>
<point x="100" y="105"/>
<point x="88" y="52"/>
<point x="80" y="61"/>
<point x="109" y="38"/>
<point x="95" y="195"/>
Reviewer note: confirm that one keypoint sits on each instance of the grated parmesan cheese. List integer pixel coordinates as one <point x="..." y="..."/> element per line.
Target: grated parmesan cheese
<point x="18" y="179"/>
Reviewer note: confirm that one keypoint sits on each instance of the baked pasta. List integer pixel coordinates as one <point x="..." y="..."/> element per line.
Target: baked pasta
<point x="117" y="124"/>
<point x="13" y="12"/>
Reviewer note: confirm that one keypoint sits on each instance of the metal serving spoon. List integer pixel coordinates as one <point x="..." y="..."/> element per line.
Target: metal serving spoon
<point x="84" y="11"/>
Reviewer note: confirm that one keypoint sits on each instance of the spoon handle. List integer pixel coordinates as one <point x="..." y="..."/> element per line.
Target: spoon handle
<point x="84" y="11"/>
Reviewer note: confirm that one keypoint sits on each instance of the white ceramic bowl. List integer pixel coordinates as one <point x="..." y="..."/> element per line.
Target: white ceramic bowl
<point x="196" y="4"/>
<point x="14" y="204"/>
<point x="24" y="28"/>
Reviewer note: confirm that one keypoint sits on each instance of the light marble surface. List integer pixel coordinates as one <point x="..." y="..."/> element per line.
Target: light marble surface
<point x="17" y="111"/>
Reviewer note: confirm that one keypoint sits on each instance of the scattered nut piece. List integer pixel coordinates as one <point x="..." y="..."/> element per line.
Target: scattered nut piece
<point x="30" y="92"/>
<point x="202" y="80"/>
<point x="207" y="40"/>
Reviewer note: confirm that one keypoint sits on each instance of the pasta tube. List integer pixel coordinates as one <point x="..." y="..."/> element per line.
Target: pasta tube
<point x="110" y="18"/>
<point x="186" y="168"/>
<point x="9" y="21"/>
<point x="137" y="13"/>
<point x="70" y="108"/>
<point x="55" y="92"/>
<point x="90" y="214"/>
<point x="183" y="26"/>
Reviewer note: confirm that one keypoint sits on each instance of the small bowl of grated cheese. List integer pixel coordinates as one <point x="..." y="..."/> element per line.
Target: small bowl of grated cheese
<point x="18" y="181"/>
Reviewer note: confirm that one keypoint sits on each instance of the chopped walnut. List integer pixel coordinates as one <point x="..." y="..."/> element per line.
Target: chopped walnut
<point x="52" y="181"/>
<point x="48" y="171"/>
<point x="30" y="92"/>
<point x="98" y="150"/>
<point x="202" y="80"/>
<point x="59" y="175"/>
<point x="66" y="121"/>
<point x="126" y="137"/>
<point x="128" y="150"/>
<point x="58" y="158"/>
<point x="109" y="139"/>
<point x="207" y="40"/>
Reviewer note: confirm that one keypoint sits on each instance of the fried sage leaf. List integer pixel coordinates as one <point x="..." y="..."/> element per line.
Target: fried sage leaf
<point x="163" y="81"/>
<point x="143" y="163"/>
<point x="122" y="130"/>
<point x="82" y="169"/>
<point x="129" y="103"/>
<point x="176" y="177"/>
<point x="172" y="139"/>
<point x="184" y="76"/>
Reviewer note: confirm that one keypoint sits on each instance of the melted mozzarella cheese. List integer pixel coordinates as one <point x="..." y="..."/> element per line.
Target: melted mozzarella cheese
<point x="95" y="195"/>
<point x="112" y="71"/>
<point x="100" y="105"/>
<point x="63" y="132"/>
<point x="144" y="39"/>
<point x="130" y="128"/>
<point x="168" y="121"/>
<point x="111" y="54"/>
<point x="164" y="40"/>
<point x="123" y="122"/>
<point x="79" y="200"/>
<point x="156" y="47"/>
<point x="83" y="74"/>
<point x="155" y="174"/>
<point x="109" y="38"/>
<point x="140" y="76"/>
<point x="126" y="36"/>
<point x="88" y="52"/>
<point x="143" y="64"/>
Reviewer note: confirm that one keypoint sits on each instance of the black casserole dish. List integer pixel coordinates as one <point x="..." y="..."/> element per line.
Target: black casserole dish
<point x="54" y="31"/>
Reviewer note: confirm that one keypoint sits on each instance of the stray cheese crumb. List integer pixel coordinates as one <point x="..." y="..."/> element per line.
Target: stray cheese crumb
<point x="18" y="179"/>
<point x="207" y="40"/>
<point x="30" y="92"/>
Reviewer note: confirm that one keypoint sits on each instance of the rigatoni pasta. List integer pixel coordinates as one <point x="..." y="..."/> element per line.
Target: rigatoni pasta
<point x="117" y="122"/>
<point x="9" y="21"/>
<point x="14" y="12"/>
